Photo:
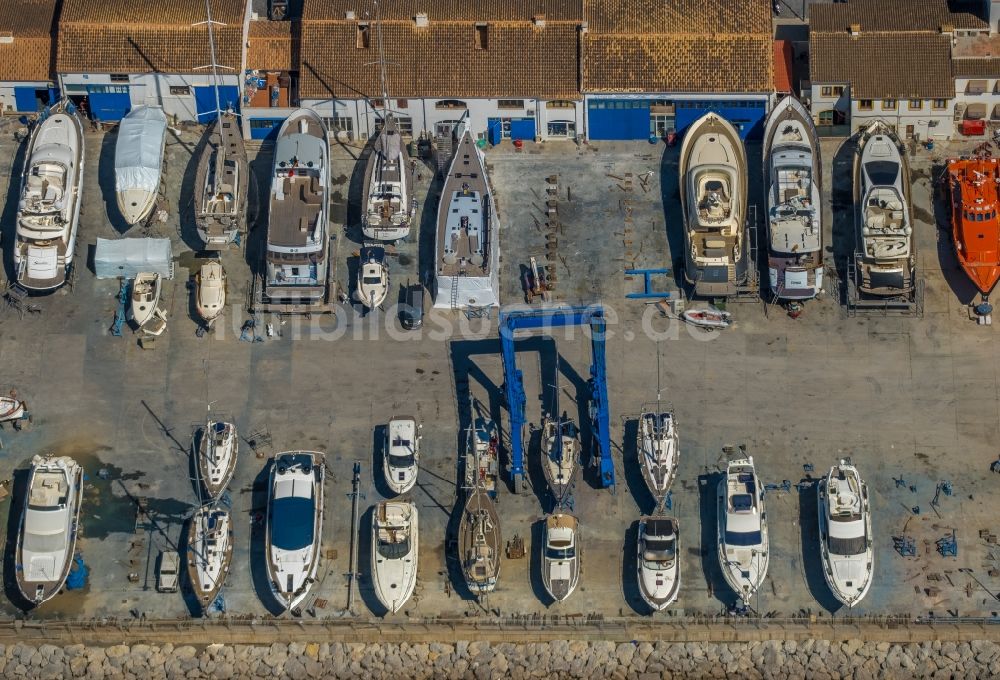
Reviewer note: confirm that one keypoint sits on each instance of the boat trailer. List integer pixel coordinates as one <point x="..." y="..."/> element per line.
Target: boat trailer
<point x="519" y="319"/>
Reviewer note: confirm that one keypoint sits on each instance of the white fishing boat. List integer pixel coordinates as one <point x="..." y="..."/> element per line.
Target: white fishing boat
<point x="142" y="135"/>
<point x="482" y="462"/>
<point x="886" y="257"/>
<point x="713" y="191"/>
<point x="793" y="171"/>
<point x="294" y="525"/>
<point x="145" y="297"/>
<point x="222" y="180"/>
<point x="11" y="409"/>
<point x="395" y="544"/>
<point x="659" y="571"/>
<point x="209" y="553"/>
<point x="387" y="211"/>
<point x="743" y="542"/>
<point x="46" y="540"/>
<point x="373" y="277"/>
<point x="217" y="453"/>
<point x="210" y="291"/>
<point x="48" y="213"/>
<point x="845" y="533"/>
<point x="479" y="542"/>
<point x="298" y="238"/>
<point x="659" y="450"/>
<point x="467" y="252"/>
<point x="401" y="458"/>
<point x="560" y="449"/>
<point x="561" y="555"/>
<point x="709" y="318"/>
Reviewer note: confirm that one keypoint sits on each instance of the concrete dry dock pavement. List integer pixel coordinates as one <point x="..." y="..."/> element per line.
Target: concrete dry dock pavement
<point x="910" y="399"/>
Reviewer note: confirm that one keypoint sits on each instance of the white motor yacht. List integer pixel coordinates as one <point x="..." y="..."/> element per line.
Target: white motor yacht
<point x="394" y="552"/>
<point x="845" y="533"/>
<point x="401" y="454"/>
<point x="743" y="542"/>
<point x="659" y="571"/>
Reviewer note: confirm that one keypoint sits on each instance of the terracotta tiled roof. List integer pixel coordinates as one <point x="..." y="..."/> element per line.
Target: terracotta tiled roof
<point x="271" y="45"/>
<point x="139" y="36"/>
<point x="986" y="67"/>
<point x="884" y="65"/>
<point x="892" y="15"/>
<point x="29" y="56"/>
<point x="447" y="10"/>
<point x="440" y="60"/>
<point x="783" y="55"/>
<point x="678" y="46"/>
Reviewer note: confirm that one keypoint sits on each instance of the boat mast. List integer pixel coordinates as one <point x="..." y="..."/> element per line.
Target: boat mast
<point x="211" y="46"/>
<point x="381" y="63"/>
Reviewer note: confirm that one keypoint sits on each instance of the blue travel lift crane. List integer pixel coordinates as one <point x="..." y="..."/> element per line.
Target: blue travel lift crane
<point x="513" y="320"/>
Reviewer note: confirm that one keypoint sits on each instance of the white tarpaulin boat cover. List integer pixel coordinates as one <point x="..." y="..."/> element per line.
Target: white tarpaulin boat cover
<point x="139" y="149"/>
<point x="129" y="256"/>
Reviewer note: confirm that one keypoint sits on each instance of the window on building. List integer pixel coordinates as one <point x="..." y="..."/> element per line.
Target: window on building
<point x="562" y="128"/>
<point x="838" y="90"/>
<point x="364" y="38"/>
<point x="510" y="103"/>
<point x="865" y="105"/>
<point x="826" y="91"/>
<point x="377" y="103"/>
<point x="264" y="123"/>
<point x="560" y="104"/>
<point x="826" y="117"/>
<point x="119" y="77"/>
<point x="976" y="87"/>
<point x="482" y="41"/>
<point x="405" y="124"/>
<point x="339" y="124"/>
<point x="915" y="105"/>
<point x="888" y="104"/>
<point x="939" y="104"/>
<point x="180" y="90"/>
<point x="450" y="104"/>
<point x="402" y="104"/>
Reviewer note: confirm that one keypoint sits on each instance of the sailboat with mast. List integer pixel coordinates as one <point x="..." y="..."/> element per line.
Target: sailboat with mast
<point x="658" y="444"/>
<point x="223" y="172"/>
<point x="560" y="448"/>
<point x="387" y="192"/>
<point x="210" y="553"/>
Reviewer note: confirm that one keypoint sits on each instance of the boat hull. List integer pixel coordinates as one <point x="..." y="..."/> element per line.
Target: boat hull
<point x="224" y="438"/>
<point x="479" y="542"/>
<point x="210" y="292"/>
<point x="394" y="580"/>
<point x="842" y="572"/>
<point x="219" y="222"/>
<point x="143" y="305"/>
<point x="659" y="586"/>
<point x="973" y="190"/>
<point x="561" y="573"/>
<point x="206" y="587"/>
<point x="744" y="566"/>
<point x="659" y="452"/>
<point x="388" y="165"/>
<point x="559" y="474"/>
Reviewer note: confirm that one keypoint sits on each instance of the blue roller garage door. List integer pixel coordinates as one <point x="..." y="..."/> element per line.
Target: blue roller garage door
<point x="522" y="128"/>
<point x="265" y="128"/>
<point x="618" y="118"/>
<point x="204" y="101"/>
<point x="499" y="129"/>
<point x="26" y="100"/>
<point x="746" y="115"/>
<point x="109" y="102"/>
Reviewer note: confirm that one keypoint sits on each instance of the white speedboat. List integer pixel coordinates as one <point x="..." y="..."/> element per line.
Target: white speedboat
<point x="210" y="291"/>
<point x="713" y="189"/>
<point x="298" y="238"/>
<point x="886" y="257"/>
<point x="560" y="446"/>
<point x="743" y="542"/>
<point x="467" y="246"/>
<point x="294" y="525"/>
<point x="659" y="571"/>
<point x="479" y="542"/>
<point x="11" y="409"/>
<point x="48" y="213"/>
<point x="659" y="451"/>
<point x="401" y="454"/>
<point x="145" y="297"/>
<point x="561" y="556"/>
<point x="845" y="533"/>
<point x="395" y="543"/>
<point x="793" y="170"/>
<point x="209" y="553"/>
<point x="49" y="527"/>
<point x="709" y="318"/>
<point x="217" y="453"/>
<point x="387" y="210"/>
<point x="142" y="135"/>
<point x="222" y="180"/>
<point x="373" y="277"/>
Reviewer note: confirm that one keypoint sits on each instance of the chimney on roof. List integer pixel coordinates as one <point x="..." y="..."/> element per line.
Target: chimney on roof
<point x="421" y="20"/>
<point x="855" y="30"/>
<point x="538" y="20"/>
<point x="349" y="15"/>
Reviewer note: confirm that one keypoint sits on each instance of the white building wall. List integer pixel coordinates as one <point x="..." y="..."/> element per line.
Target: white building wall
<point x="831" y="102"/>
<point x="927" y="122"/>
<point x="990" y="98"/>
<point x="153" y="89"/>
<point x="7" y="103"/>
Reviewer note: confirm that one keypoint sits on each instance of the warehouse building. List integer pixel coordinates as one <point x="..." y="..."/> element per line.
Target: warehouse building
<point x="26" y="40"/>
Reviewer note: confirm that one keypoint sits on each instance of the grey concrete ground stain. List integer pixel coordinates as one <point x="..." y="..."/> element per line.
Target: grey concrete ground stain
<point x="338" y="207"/>
<point x="923" y="214"/>
<point x="339" y="179"/>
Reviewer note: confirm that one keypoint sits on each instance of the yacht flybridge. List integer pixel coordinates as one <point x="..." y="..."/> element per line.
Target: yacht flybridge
<point x="793" y="172"/>
<point x="713" y="189"/>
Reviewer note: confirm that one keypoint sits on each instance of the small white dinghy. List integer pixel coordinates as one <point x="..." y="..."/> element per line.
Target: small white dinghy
<point x="373" y="277"/>
<point x="710" y="318"/>
<point x="394" y="552"/>
<point x="11" y="409"/>
<point x="217" y="454"/>
<point x="210" y="552"/>
<point x="145" y="296"/>
<point x="845" y="533"/>
<point x="210" y="299"/>
<point x="659" y="571"/>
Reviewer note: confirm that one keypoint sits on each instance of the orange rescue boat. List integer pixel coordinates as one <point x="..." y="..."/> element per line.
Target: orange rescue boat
<point x="974" y="185"/>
